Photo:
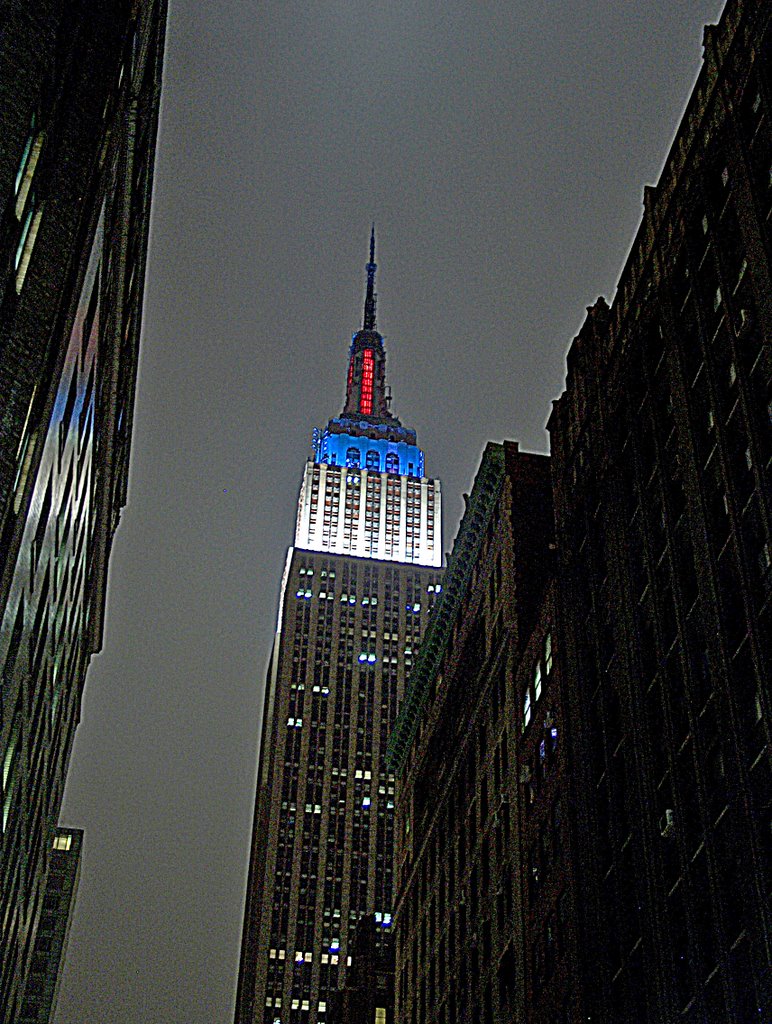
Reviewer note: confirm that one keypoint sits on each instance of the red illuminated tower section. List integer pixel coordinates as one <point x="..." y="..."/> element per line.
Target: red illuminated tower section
<point x="366" y="384"/>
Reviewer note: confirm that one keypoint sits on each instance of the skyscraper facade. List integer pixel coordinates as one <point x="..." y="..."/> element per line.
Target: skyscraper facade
<point x="358" y="586"/>
<point x="80" y="86"/>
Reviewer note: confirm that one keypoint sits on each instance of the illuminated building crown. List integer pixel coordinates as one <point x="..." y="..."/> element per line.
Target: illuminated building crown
<point x="364" y="493"/>
<point x="367" y="416"/>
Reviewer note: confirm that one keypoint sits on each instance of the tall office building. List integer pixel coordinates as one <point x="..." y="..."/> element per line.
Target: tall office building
<point x="358" y="586"/>
<point x="80" y="89"/>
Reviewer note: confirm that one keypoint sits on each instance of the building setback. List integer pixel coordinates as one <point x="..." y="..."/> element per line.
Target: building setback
<point x="636" y="702"/>
<point x="80" y="89"/>
<point x="358" y="587"/>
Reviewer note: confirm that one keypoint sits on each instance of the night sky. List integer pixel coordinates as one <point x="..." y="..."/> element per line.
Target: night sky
<point x="501" y="149"/>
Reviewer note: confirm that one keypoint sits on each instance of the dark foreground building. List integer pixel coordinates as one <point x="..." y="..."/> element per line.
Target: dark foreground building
<point x="357" y="591"/>
<point x="662" y="452"/>
<point x="485" y="902"/>
<point x="80" y="86"/>
<point x="636" y="703"/>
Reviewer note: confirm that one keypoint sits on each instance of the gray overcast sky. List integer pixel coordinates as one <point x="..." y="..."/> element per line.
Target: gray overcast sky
<point x="502" y="149"/>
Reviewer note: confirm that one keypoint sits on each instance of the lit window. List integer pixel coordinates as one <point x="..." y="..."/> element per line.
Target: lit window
<point x="380" y="1015"/>
<point x="537" y="682"/>
<point x="26" y="244"/>
<point x="62" y="842"/>
<point x="548" y="654"/>
<point x="373" y="459"/>
<point x="26" y="172"/>
<point x="527" y="707"/>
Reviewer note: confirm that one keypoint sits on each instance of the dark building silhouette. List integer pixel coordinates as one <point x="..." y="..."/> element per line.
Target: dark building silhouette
<point x="45" y="973"/>
<point x="661" y="453"/>
<point x="80" y="92"/>
<point x="356" y="595"/>
<point x="635" y="703"/>
<point x="485" y="905"/>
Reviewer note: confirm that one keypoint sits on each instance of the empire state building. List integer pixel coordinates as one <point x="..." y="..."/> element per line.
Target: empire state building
<point x="358" y="586"/>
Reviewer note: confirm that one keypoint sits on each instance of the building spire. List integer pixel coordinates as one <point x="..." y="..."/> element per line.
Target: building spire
<point x="368" y="323"/>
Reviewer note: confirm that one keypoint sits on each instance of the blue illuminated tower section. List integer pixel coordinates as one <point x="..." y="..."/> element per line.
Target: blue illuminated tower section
<point x="358" y="586"/>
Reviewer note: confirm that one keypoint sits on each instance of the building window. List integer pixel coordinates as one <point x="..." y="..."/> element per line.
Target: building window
<point x="26" y="242"/>
<point x="548" y="654"/>
<point x="527" y="707"/>
<point x="536" y="682"/>
<point x="62" y="842"/>
<point x="26" y="172"/>
<point x="352" y="458"/>
<point x="392" y="463"/>
<point x="373" y="459"/>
